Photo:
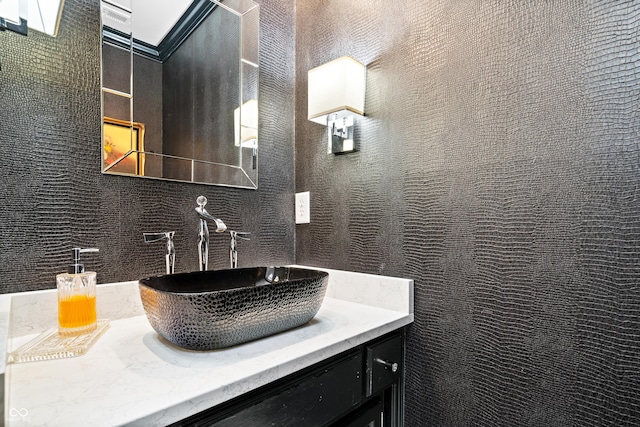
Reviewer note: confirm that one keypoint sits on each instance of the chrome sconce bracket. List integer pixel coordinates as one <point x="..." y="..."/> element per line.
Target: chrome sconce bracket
<point x="340" y="134"/>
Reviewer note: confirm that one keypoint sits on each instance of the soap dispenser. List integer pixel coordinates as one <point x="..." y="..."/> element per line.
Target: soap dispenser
<point x="77" y="298"/>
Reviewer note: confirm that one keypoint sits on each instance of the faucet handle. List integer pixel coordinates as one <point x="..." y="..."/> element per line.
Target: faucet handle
<point x="170" y="258"/>
<point x="240" y="234"/>
<point x="155" y="237"/>
<point x="233" y="252"/>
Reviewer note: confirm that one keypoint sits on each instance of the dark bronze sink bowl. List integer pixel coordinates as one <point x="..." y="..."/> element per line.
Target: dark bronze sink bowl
<point x="206" y="310"/>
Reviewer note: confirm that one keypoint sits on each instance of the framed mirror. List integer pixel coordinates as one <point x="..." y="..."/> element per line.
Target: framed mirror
<point x="180" y="92"/>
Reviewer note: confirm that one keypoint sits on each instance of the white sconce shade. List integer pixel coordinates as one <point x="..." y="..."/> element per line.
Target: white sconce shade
<point x="335" y="87"/>
<point x="39" y="15"/>
<point x="44" y="15"/>
<point x="336" y="93"/>
<point x="246" y="124"/>
<point x="10" y="10"/>
<point x="14" y="16"/>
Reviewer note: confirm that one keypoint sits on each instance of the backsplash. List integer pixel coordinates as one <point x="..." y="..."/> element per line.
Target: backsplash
<point x="498" y="167"/>
<point x="54" y="197"/>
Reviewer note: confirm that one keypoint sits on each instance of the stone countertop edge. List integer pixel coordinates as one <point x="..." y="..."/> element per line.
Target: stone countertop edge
<point x="119" y="301"/>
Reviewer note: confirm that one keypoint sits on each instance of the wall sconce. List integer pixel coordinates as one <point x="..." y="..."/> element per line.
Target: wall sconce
<point x="336" y="93"/>
<point x="13" y="16"/>
<point x="17" y="15"/>
<point x="39" y="15"/>
<point x="44" y="15"/>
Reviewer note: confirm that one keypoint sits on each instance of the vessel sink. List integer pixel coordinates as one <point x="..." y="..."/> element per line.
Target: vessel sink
<point x="207" y="310"/>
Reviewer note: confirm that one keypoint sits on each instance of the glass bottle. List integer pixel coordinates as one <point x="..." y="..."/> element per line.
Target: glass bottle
<point x="77" y="313"/>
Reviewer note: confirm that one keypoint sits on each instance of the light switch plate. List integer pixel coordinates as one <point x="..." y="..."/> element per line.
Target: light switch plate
<point x="303" y="208"/>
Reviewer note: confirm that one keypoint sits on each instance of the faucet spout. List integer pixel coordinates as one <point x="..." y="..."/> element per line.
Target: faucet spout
<point x="203" y="232"/>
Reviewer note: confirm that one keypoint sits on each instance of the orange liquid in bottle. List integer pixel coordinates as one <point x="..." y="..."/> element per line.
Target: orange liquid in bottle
<point x="77" y="314"/>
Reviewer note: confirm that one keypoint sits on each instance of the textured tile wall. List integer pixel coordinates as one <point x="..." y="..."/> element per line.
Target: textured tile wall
<point x="499" y="168"/>
<point x="53" y="196"/>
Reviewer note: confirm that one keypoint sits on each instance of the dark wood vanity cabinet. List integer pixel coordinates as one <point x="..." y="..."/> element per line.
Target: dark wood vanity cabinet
<point x="361" y="387"/>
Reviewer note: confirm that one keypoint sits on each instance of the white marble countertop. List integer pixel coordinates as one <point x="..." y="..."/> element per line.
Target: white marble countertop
<point x="131" y="376"/>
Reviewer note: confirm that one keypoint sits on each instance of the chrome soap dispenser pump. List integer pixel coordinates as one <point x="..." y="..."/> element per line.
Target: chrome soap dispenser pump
<point x="77" y="312"/>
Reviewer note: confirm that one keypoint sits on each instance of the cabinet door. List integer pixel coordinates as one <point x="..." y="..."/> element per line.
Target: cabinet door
<point x="369" y="415"/>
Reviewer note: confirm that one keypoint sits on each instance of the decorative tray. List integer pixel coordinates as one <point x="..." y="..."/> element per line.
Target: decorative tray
<point x="49" y="345"/>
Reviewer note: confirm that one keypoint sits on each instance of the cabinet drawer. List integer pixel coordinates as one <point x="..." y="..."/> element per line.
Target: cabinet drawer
<point x="315" y="401"/>
<point x="384" y="364"/>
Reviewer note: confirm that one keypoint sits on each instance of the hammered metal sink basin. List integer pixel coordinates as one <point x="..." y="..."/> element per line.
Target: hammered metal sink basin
<point x="207" y="310"/>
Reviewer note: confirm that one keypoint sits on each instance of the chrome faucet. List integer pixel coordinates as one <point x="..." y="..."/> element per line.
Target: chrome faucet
<point x="170" y="258"/>
<point x="233" y="251"/>
<point x="203" y="232"/>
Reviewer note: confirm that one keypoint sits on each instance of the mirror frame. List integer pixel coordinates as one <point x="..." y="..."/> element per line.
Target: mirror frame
<point x="245" y="173"/>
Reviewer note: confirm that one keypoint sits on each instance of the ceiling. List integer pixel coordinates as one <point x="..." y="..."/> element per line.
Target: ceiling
<point x="151" y="19"/>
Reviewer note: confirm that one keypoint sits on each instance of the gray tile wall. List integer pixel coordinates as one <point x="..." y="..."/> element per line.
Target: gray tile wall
<point x="54" y="197"/>
<point x="499" y="168"/>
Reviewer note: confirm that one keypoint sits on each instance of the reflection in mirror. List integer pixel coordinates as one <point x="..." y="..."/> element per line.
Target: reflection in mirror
<point x="180" y="101"/>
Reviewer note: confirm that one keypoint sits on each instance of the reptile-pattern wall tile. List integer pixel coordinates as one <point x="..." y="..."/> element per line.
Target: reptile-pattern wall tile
<point x="499" y="168"/>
